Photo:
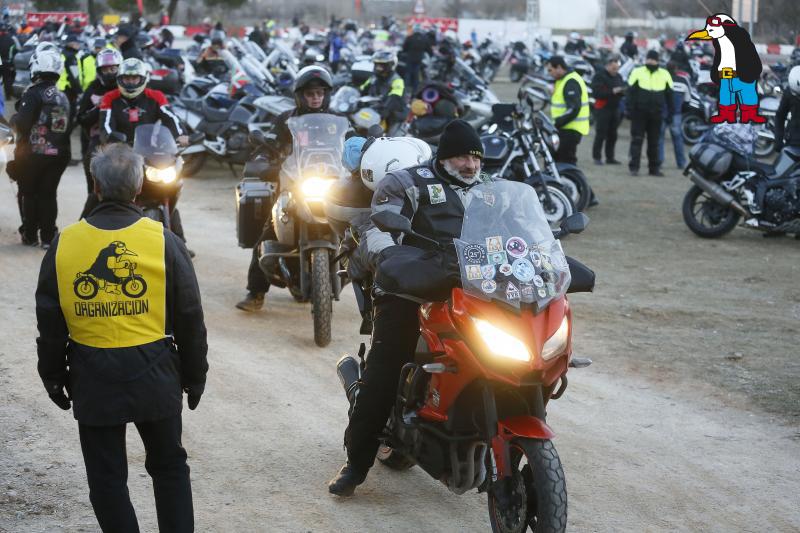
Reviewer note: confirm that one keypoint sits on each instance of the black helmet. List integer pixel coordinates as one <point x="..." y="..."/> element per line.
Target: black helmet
<point x="308" y="77"/>
<point x="384" y="63"/>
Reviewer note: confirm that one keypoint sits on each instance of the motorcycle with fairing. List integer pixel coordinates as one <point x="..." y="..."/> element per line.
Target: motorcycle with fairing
<point x="494" y="350"/>
<point x="303" y="259"/>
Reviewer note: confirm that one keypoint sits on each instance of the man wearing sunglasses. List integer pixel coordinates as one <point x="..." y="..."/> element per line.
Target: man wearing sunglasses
<point x="736" y="69"/>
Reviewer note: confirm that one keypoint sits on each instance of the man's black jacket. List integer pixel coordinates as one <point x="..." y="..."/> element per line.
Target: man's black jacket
<point x="415" y="47"/>
<point x="603" y="85"/>
<point x="111" y="386"/>
<point x="789" y="104"/>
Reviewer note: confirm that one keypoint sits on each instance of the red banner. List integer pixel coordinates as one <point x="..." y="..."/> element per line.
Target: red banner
<point x="39" y="19"/>
<point x="444" y="24"/>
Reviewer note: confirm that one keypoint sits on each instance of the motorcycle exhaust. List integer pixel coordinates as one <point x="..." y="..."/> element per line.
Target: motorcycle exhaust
<point x="349" y="372"/>
<point x="716" y="192"/>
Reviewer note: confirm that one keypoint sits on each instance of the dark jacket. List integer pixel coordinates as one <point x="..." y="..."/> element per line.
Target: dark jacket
<point x="88" y="115"/>
<point x="643" y="101"/>
<point x="73" y="87"/>
<point x="629" y="49"/>
<point x="603" y="85"/>
<point x="123" y="115"/>
<point x="416" y="46"/>
<point x="788" y="135"/>
<point x="130" y="49"/>
<point x="111" y="386"/>
<point x="42" y="121"/>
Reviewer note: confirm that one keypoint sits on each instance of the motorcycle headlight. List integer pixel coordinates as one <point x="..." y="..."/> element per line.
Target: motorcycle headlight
<point x="555" y="140"/>
<point x="315" y="188"/>
<point x="161" y="175"/>
<point x="500" y="343"/>
<point x="558" y="342"/>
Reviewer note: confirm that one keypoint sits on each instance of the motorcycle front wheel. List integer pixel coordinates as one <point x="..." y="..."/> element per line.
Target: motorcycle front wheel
<point x="705" y="216"/>
<point x="321" y="298"/>
<point x="558" y="207"/>
<point x="538" y="491"/>
<point x="576" y="185"/>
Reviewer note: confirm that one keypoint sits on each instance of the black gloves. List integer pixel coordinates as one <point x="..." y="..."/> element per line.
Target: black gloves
<point x="193" y="394"/>
<point x="60" y="398"/>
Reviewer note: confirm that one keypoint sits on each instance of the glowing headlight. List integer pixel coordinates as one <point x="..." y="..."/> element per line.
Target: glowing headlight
<point x="161" y="175"/>
<point x="501" y="343"/>
<point x="558" y="342"/>
<point x="315" y="188"/>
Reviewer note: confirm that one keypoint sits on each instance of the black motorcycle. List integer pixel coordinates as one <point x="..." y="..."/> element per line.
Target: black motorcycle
<point x="729" y="184"/>
<point x="519" y="60"/>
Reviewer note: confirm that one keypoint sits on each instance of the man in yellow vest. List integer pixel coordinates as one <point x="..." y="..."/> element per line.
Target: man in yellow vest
<point x="569" y="109"/>
<point x="649" y="91"/>
<point x="121" y="335"/>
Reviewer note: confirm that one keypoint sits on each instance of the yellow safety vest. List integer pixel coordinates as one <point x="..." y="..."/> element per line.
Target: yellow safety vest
<point x="63" y="82"/>
<point x="112" y="283"/>
<point x="558" y="106"/>
<point x="87" y="68"/>
<point x="397" y="87"/>
<point x="650" y="81"/>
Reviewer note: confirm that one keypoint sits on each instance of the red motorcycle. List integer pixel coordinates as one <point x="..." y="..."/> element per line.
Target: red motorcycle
<point x="470" y="410"/>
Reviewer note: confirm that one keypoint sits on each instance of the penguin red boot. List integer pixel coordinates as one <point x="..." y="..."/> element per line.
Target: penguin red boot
<point x="750" y="114"/>
<point x="727" y="113"/>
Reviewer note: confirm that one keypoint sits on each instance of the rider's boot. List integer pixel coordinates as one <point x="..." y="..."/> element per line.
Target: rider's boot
<point x="346" y="481"/>
<point x="252" y="302"/>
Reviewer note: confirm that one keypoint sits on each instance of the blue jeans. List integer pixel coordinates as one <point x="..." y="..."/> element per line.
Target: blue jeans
<point x="677" y="140"/>
<point x="412" y="76"/>
<point x="732" y="89"/>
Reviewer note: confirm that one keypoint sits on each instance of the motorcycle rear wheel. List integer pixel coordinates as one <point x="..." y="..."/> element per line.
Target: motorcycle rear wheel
<point x="192" y="164"/>
<point x="576" y="185"/>
<point x="693" y="127"/>
<point x="705" y="217"/>
<point x="538" y="491"/>
<point x="389" y="457"/>
<point x="321" y="299"/>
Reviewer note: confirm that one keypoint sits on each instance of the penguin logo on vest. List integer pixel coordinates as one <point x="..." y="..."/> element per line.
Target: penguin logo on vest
<point x="736" y="69"/>
<point x="112" y="271"/>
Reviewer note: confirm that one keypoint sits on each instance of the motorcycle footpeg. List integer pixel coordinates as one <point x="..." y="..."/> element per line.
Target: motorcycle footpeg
<point x="580" y="362"/>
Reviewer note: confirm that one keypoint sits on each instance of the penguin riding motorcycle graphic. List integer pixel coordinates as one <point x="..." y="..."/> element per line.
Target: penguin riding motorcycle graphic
<point x="111" y="271"/>
<point x="736" y="69"/>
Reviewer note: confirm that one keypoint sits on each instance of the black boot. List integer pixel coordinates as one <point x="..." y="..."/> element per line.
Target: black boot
<point x="252" y="302"/>
<point x="346" y="481"/>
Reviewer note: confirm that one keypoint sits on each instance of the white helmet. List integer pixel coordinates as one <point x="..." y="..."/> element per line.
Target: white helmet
<point x="132" y="67"/>
<point x="794" y="80"/>
<point x="46" y="61"/>
<point x="387" y="154"/>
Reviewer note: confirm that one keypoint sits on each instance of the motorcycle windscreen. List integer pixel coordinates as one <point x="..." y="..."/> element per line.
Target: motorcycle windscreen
<point x="345" y="99"/>
<point x="317" y="147"/>
<point x="154" y="142"/>
<point x="507" y="251"/>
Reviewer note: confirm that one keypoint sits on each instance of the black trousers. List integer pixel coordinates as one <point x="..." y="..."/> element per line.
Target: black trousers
<point x="606" y="124"/>
<point x="395" y="330"/>
<point x="8" y="73"/>
<point x="256" y="279"/>
<point x="38" y="183"/>
<point x="107" y="471"/>
<point x="568" y="147"/>
<point x="645" y="123"/>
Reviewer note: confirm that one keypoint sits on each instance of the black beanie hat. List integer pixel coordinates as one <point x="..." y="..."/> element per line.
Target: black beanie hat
<point x="459" y="138"/>
<point x="652" y="54"/>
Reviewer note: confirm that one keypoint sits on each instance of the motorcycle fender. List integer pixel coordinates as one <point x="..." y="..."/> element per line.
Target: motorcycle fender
<point x="321" y="243"/>
<point x="193" y="149"/>
<point x="525" y="426"/>
<point x="566" y="166"/>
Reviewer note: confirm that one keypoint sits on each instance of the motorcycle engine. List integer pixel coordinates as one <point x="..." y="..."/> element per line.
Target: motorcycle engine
<point x="238" y="141"/>
<point x="781" y="205"/>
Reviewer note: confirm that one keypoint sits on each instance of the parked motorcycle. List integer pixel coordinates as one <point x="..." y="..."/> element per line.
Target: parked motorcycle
<point x="306" y="265"/>
<point x="470" y="409"/>
<point x="519" y="60"/>
<point x="728" y="185"/>
<point x="696" y="111"/>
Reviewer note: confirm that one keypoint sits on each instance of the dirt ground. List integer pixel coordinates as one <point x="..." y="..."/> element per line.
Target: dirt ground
<point x="688" y="420"/>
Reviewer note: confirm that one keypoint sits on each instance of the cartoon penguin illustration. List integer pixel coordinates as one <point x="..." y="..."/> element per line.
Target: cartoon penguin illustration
<point x="109" y="262"/>
<point x="736" y="69"/>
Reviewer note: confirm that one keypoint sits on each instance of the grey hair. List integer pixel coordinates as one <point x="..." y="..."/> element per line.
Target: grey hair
<point x="117" y="172"/>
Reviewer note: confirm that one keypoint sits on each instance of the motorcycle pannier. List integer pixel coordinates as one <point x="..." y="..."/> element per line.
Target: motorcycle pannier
<point x="253" y="203"/>
<point x="711" y="159"/>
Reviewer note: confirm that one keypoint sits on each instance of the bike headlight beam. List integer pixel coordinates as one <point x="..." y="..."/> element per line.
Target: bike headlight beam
<point x="315" y="188"/>
<point x="161" y="175"/>
<point x="501" y="344"/>
<point x="558" y="342"/>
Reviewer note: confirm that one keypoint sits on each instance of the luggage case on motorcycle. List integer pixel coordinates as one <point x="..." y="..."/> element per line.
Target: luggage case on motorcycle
<point x="713" y="160"/>
<point x="253" y="203"/>
<point x="165" y="80"/>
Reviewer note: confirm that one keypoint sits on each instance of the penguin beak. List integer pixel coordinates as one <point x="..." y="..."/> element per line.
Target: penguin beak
<point x="128" y="252"/>
<point x="699" y="35"/>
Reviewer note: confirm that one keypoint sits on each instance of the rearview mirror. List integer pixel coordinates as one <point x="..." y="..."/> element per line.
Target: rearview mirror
<point x="575" y="223"/>
<point x="391" y="222"/>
